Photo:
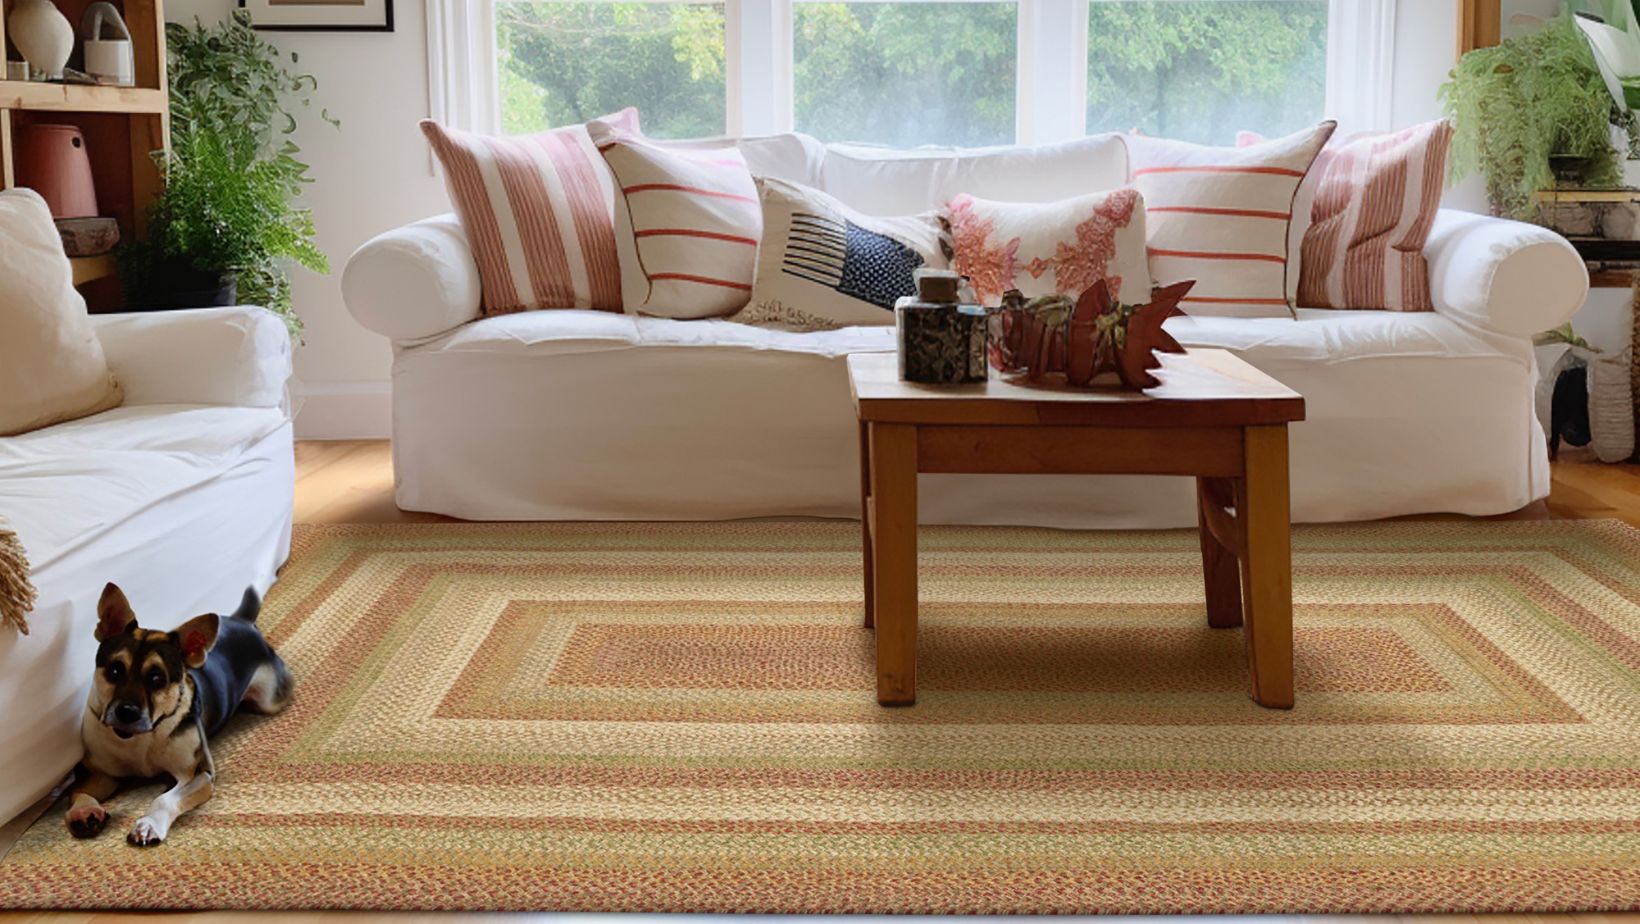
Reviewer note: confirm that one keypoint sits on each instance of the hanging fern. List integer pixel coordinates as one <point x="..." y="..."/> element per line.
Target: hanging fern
<point x="1515" y="105"/>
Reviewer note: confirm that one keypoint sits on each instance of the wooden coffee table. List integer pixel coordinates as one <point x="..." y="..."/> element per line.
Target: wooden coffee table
<point x="1214" y="418"/>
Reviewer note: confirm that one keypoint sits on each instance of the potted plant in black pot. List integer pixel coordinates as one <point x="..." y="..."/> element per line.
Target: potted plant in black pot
<point x="226" y="227"/>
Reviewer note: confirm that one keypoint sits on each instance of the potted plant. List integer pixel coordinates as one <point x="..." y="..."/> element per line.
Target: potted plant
<point x="226" y="227"/>
<point x="1528" y="108"/>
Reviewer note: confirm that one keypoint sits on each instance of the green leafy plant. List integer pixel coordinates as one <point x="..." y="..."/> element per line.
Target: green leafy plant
<point x="232" y="175"/>
<point x="1514" y="106"/>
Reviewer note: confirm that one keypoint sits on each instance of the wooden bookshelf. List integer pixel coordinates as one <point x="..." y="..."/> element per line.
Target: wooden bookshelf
<point x="123" y="128"/>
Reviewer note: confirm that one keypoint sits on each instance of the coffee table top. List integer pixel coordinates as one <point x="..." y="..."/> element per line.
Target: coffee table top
<point x="1200" y="388"/>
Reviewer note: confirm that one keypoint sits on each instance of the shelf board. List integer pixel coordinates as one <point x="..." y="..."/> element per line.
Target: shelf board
<point x="62" y="97"/>
<point x="87" y="269"/>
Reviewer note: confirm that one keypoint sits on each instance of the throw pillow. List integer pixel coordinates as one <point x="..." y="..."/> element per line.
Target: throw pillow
<point x="822" y="265"/>
<point x="539" y="212"/>
<point x="687" y="221"/>
<point x="52" y="366"/>
<point x="1375" y="204"/>
<point x="1221" y="216"/>
<point x="1058" y="248"/>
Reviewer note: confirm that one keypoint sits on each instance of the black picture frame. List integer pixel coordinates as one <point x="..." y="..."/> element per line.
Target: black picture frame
<point x="385" y="26"/>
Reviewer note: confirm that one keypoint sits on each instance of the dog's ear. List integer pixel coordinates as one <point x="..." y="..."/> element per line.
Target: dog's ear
<point x="114" y="614"/>
<point x="196" y="637"/>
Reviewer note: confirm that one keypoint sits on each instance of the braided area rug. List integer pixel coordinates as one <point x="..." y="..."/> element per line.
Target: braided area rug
<point x="681" y="717"/>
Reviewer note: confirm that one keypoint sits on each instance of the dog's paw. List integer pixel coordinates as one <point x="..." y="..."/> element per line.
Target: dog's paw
<point x="145" y="833"/>
<point x="87" y="820"/>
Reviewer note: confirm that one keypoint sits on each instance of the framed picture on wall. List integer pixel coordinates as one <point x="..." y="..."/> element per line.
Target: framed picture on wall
<point x="321" y="15"/>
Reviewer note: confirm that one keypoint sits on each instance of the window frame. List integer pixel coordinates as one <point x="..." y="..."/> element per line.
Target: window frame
<point x="1052" y="53"/>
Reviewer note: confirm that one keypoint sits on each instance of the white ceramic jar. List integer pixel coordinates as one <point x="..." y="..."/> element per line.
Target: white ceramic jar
<point x="43" y="34"/>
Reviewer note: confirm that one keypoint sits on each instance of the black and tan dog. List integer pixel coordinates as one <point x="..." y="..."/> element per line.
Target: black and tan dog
<point x="157" y="698"/>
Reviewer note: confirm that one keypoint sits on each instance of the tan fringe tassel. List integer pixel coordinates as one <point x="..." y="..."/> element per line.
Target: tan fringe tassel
<point x="16" y="591"/>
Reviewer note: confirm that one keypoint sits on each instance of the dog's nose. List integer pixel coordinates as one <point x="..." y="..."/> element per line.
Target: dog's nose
<point x="127" y="712"/>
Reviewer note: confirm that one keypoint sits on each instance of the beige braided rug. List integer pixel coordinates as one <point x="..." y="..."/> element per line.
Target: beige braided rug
<point x="681" y="717"/>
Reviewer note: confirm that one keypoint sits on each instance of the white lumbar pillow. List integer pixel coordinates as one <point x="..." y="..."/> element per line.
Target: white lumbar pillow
<point x="52" y="366"/>
<point x="823" y="265"/>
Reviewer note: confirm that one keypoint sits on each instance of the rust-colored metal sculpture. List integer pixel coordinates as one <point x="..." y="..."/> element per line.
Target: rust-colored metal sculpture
<point x="1092" y="338"/>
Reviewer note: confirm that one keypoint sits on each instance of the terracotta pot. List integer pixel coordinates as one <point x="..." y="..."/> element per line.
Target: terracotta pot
<point x="51" y="160"/>
<point x="43" y="34"/>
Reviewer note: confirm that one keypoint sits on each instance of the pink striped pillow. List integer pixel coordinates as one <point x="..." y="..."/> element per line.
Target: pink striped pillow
<point x="1374" y="206"/>
<point x="1220" y="216"/>
<point x="539" y="213"/>
<point x="687" y="223"/>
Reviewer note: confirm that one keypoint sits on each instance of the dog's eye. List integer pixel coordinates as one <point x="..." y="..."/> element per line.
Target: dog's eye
<point x="156" y="680"/>
<point x="115" y="672"/>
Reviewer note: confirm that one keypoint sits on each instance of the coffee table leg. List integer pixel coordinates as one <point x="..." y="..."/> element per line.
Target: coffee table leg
<point x="1263" y="508"/>
<point x="1220" y="567"/>
<point x="894" y="565"/>
<point x="865" y="519"/>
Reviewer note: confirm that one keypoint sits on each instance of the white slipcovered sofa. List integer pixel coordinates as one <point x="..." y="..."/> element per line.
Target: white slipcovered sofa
<point x="584" y="415"/>
<point x="182" y="496"/>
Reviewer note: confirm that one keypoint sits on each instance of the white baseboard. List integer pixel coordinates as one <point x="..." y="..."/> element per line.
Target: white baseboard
<point x="344" y="411"/>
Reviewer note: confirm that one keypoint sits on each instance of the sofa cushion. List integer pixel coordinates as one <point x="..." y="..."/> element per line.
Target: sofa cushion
<point x="1319" y="336"/>
<point x="539" y="210"/>
<point x="823" y="265"/>
<point x="687" y="224"/>
<point x="65" y="485"/>
<point x="1375" y="204"/>
<point x="884" y="181"/>
<point x="52" y="366"/>
<point x="1221" y="217"/>
<point x="1058" y="248"/>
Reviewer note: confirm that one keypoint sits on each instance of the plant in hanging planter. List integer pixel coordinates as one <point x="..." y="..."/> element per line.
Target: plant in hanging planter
<point x="1527" y="106"/>
<point x="227" y="218"/>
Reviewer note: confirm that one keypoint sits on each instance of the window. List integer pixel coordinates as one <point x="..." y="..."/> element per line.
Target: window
<point x="911" y="72"/>
<point x="905" y="73"/>
<point x="562" y="63"/>
<point x="1201" y="70"/>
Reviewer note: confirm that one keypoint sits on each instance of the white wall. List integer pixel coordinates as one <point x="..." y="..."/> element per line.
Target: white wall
<point x="372" y="175"/>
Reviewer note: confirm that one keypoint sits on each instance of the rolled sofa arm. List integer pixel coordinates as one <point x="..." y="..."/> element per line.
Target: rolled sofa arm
<point x="1504" y="276"/>
<point x="414" y="282"/>
<point x="230" y="357"/>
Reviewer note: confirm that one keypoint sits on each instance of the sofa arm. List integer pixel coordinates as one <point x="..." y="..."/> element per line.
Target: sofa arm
<point x="1504" y="276"/>
<point x="233" y="357"/>
<point x="414" y="282"/>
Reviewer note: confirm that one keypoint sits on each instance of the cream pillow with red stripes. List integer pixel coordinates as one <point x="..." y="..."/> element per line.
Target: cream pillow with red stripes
<point x="1220" y="216"/>
<point x="539" y="212"/>
<point x="1375" y="203"/>
<point x="687" y="224"/>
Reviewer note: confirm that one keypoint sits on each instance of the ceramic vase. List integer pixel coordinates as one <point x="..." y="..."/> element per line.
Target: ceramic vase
<point x="43" y="35"/>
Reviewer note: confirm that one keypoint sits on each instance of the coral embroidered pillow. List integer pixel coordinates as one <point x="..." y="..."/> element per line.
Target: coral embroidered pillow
<point x="1221" y="216"/>
<point x="822" y="265"/>
<point x="687" y="223"/>
<point x="1375" y="204"/>
<point x="52" y="366"/>
<point x="1057" y="248"/>
<point x="539" y="212"/>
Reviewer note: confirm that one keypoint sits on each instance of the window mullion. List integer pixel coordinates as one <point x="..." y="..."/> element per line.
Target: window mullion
<point x="1053" y="60"/>
<point x="758" y="57"/>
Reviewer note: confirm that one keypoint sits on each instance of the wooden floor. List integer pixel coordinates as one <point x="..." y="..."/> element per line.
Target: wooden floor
<point x="352" y="482"/>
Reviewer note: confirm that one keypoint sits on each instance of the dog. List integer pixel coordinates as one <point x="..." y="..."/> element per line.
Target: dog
<point x="156" y="699"/>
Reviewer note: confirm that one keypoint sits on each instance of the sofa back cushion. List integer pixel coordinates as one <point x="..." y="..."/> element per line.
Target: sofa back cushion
<point x="1375" y="204"/>
<point x="52" y="366"/>
<point x="882" y="181"/>
<point x="688" y="222"/>
<point x="539" y="212"/>
<point x="1221" y="216"/>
